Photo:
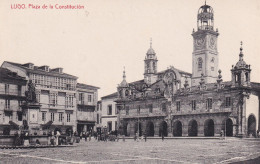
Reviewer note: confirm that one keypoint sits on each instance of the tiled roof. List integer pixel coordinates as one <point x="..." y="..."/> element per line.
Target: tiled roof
<point x="38" y="71"/>
<point x="113" y="95"/>
<point x="81" y="85"/>
<point x="6" y="74"/>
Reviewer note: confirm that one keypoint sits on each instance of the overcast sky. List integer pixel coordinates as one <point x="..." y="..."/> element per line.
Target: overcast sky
<point x="95" y="44"/>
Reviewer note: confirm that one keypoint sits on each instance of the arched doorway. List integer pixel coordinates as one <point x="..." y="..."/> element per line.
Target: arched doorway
<point x="140" y="128"/>
<point x="229" y="127"/>
<point x="209" y="127"/>
<point x="177" y="128"/>
<point x="251" y="126"/>
<point x="193" y="128"/>
<point x="150" y="129"/>
<point x="163" y="129"/>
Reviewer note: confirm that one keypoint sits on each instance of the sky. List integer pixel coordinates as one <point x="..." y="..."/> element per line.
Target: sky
<point x="97" y="42"/>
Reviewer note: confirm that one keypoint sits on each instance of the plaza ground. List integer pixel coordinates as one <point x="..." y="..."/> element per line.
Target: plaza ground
<point x="231" y="150"/>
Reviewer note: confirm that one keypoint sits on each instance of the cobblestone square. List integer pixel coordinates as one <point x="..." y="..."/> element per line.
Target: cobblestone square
<point x="153" y="151"/>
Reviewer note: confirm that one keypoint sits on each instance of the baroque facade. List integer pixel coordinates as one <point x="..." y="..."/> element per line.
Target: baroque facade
<point x="176" y="103"/>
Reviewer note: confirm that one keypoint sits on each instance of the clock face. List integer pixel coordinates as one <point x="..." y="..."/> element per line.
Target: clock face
<point x="212" y="43"/>
<point x="199" y="42"/>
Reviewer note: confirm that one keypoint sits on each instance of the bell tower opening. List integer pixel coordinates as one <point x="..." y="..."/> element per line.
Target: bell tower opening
<point x="205" y="54"/>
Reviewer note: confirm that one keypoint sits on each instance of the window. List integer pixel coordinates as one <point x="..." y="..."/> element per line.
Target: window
<point x="109" y="110"/>
<point x="38" y="97"/>
<point x="247" y="77"/>
<point x="109" y="126"/>
<point x="20" y="116"/>
<point x="97" y="118"/>
<point x="164" y="107"/>
<point x="43" y="116"/>
<point x="19" y="90"/>
<point x="116" y="109"/>
<point x="69" y="101"/>
<point x="89" y="98"/>
<point x="19" y="104"/>
<point x="6" y="88"/>
<point x="178" y="105"/>
<point x="228" y="102"/>
<point x="68" y="117"/>
<point x="60" y="117"/>
<point x="81" y="98"/>
<point x="151" y="108"/>
<point x="127" y="110"/>
<point x="200" y="63"/>
<point x="52" y="116"/>
<point x="53" y="99"/>
<point x="138" y="109"/>
<point x="193" y="104"/>
<point x="209" y="103"/>
<point x="115" y="125"/>
<point x="7" y="104"/>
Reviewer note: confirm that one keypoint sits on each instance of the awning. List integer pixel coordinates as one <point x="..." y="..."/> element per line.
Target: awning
<point x="14" y="125"/>
<point x="86" y="122"/>
<point x="47" y="125"/>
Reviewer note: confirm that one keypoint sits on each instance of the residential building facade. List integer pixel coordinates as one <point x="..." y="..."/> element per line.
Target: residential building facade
<point x="109" y="112"/>
<point x="87" y="96"/>
<point x="12" y="95"/>
<point x="55" y="92"/>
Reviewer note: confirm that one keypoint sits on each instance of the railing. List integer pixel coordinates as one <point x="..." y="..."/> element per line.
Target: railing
<point x="201" y="111"/>
<point x="13" y="93"/>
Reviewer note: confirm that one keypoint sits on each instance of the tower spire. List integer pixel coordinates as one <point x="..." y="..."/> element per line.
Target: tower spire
<point x="241" y="52"/>
<point x="151" y="42"/>
<point x="124" y="73"/>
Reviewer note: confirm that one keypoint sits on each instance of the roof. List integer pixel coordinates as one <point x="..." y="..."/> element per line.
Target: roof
<point x="180" y="71"/>
<point x="113" y="95"/>
<point x="38" y="71"/>
<point x="86" y="86"/>
<point x="7" y="75"/>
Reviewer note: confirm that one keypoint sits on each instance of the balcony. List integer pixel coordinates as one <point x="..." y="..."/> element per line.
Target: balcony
<point x="202" y="111"/>
<point x="12" y="94"/>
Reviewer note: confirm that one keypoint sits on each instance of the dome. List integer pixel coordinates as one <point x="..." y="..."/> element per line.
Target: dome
<point x="123" y="83"/>
<point x="241" y="64"/>
<point x="150" y="51"/>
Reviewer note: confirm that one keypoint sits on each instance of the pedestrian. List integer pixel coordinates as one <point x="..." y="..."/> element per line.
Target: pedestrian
<point x="26" y="139"/>
<point x="145" y="137"/>
<point x="89" y="136"/>
<point x="123" y="138"/>
<point x="57" y="137"/>
<point x="162" y="137"/>
<point x="86" y="136"/>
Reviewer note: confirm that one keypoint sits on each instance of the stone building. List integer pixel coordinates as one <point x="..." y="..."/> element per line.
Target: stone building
<point x="87" y="96"/>
<point x="176" y="103"/>
<point x="56" y="94"/>
<point x="109" y="112"/>
<point x="12" y="95"/>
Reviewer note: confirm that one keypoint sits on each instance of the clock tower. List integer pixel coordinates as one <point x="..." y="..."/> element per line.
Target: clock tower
<point x="205" y="54"/>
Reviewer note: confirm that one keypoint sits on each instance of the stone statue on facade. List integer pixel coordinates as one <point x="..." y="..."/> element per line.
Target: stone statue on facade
<point x="30" y="94"/>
